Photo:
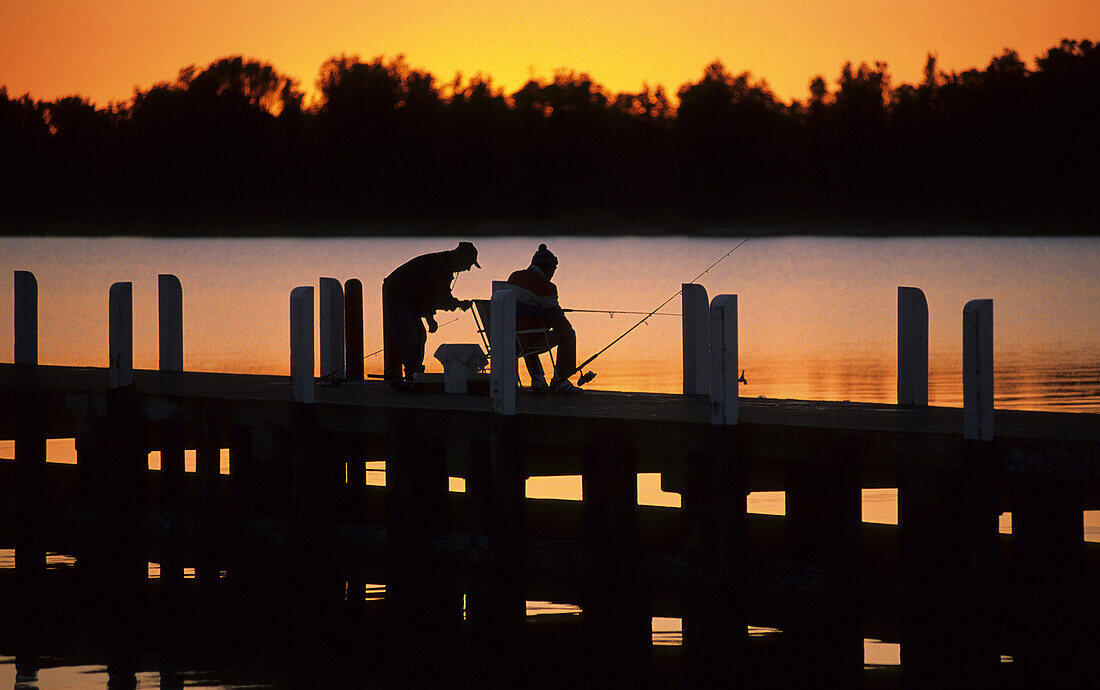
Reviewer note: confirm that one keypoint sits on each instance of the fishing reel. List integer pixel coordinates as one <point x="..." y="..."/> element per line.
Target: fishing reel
<point x="585" y="378"/>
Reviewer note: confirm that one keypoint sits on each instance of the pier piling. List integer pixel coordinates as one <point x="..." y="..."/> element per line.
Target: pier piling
<point x="714" y="625"/>
<point x="170" y="311"/>
<point x="26" y="318"/>
<point x="353" y="329"/>
<point x="912" y="347"/>
<point x="332" y="330"/>
<point x="617" y="613"/>
<point x="695" y="319"/>
<point x="302" y="389"/>
<point x="121" y="324"/>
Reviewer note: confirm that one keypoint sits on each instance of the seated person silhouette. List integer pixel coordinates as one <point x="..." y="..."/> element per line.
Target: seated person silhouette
<point x="414" y="291"/>
<point x="537" y="307"/>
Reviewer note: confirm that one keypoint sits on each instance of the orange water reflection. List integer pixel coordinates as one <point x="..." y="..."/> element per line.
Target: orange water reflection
<point x="817" y="316"/>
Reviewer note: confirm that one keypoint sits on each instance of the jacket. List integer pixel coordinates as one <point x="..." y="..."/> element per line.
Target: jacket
<point x="423" y="284"/>
<point x="536" y="298"/>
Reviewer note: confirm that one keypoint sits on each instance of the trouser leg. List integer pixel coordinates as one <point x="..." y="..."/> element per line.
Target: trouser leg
<point x="391" y="355"/>
<point x="567" y="351"/>
<point x="416" y="366"/>
<point x="534" y="367"/>
<point x="408" y="336"/>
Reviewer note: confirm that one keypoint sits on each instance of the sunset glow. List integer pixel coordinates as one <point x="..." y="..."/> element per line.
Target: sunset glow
<point x="104" y="50"/>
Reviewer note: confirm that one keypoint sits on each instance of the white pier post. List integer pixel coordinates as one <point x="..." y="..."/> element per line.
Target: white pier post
<point x="714" y="516"/>
<point x="121" y="324"/>
<point x="978" y="370"/>
<point x="504" y="376"/>
<point x="912" y="347"/>
<point x="332" y="329"/>
<point x="723" y="361"/>
<point x="26" y="318"/>
<point x="170" y="312"/>
<point x="301" y="345"/>
<point x="696" y="339"/>
<point x="502" y="599"/>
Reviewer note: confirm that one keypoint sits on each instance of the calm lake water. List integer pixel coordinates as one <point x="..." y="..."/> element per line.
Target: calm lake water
<point x="817" y="316"/>
<point x="817" y="320"/>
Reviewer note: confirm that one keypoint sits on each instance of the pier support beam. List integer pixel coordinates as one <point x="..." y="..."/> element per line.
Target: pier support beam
<point x="425" y="609"/>
<point x="824" y="515"/>
<point x="353" y="329"/>
<point x="715" y="628"/>
<point x="125" y="464"/>
<point x="498" y="610"/>
<point x="30" y="552"/>
<point x="332" y="330"/>
<point x="170" y="324"/>
<point x="617" y="611"/>
<point x="30" y="468"/>
<point x="947" y="512"/>
<point x="210" y="553"/>
<point x="696" y="324"/>
<point x="1048" y="582"/>
<point x="120" y="466"/>
<point x="912" y="347"/>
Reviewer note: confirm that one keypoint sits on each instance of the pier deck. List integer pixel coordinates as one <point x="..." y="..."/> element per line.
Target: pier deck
<point x="295" y="486"/>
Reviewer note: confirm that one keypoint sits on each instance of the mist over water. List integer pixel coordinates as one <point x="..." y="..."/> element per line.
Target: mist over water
<point x="817" y="316"/>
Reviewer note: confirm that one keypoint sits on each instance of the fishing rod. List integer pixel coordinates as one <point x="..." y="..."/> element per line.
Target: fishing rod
<point x="585" y="378"/>
<point x="612" y="312"/>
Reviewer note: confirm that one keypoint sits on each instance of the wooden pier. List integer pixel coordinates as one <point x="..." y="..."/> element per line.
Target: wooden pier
<point x="292" y="532"/>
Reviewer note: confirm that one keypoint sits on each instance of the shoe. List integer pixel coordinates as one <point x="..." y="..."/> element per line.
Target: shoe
<point x="563" y="386"/>
<point x="539" y="385"/>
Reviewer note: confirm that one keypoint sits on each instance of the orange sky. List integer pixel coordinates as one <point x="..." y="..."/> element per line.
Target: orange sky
<point x="103" y="49"/>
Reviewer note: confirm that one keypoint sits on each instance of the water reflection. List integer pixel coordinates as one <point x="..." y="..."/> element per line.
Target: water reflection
<point x="817" y="321"/>
<point x="817" y="315"/>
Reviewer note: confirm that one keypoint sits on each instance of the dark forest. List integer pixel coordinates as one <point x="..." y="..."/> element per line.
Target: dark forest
<point x="235" y="144"/>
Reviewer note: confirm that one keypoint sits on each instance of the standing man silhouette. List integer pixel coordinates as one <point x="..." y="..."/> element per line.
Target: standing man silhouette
<point x="412" y="294"/>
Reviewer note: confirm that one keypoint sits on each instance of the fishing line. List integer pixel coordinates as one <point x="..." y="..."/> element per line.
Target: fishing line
<point x="612" y="312"/>
<point x="590" y="375"/>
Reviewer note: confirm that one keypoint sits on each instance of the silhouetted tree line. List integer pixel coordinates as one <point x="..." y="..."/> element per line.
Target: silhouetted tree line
<point x="234" y="142"/>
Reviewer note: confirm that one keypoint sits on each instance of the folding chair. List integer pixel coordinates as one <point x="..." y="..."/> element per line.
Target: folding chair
<point x="523" y="349"/>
